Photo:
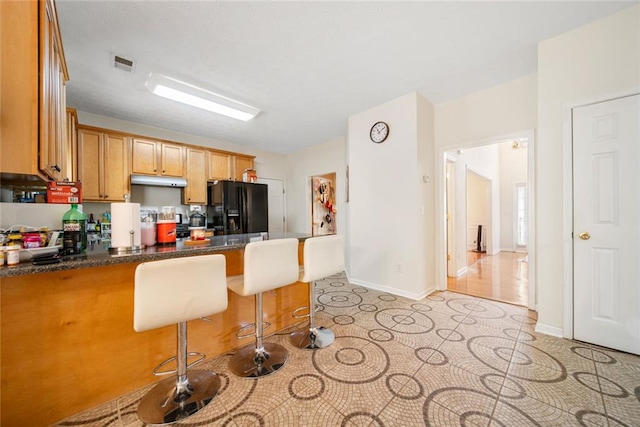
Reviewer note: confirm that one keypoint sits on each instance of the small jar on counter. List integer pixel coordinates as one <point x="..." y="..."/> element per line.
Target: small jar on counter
<point x="31" y="240"/>
<point x="13" y="255"/>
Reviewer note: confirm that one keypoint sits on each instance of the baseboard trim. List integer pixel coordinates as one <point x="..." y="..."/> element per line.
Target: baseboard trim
<point x="394" y="291"/>
<point x="549" y="330"/>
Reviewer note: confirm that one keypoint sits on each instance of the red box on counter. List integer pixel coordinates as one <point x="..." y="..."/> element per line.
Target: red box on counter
<point x="64" y="192"/>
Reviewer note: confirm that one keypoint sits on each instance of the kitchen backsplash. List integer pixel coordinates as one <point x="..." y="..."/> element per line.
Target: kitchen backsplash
<point x="50" y="215"/>
<point x="32" y="215"/>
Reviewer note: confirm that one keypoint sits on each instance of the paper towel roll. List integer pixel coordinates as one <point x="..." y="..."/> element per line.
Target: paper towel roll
<point x="124" y="218"/>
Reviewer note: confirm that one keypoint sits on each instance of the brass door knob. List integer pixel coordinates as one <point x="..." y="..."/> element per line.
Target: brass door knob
<point x="584" y="235"/>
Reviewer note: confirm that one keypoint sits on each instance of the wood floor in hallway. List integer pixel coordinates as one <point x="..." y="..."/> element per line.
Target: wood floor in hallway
<point x="500" y="277"/>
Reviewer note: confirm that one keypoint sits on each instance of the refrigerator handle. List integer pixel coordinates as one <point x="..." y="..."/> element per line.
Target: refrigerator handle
<point x="246" y="211"/>
<point x="245" y="214"/>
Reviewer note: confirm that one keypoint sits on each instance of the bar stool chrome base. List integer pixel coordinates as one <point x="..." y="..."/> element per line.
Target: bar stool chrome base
<point x="252" y="362"/>
<point x="312" y="338"/>
<point x="165" y="404"/>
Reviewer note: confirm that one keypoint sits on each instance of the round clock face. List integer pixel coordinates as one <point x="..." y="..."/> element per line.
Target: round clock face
<point x="379" y="132"/>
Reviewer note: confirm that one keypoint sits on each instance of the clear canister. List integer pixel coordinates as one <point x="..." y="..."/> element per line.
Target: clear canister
<point x="148" y="218"/>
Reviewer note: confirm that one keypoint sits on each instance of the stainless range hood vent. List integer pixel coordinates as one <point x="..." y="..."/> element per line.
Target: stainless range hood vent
<point x="158" y="181"/>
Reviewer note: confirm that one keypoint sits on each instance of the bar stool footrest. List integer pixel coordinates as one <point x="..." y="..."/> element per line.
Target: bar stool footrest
<point x="296" y="312"/>
<point x="240" y="335"/>
<point x="157" y="373"/>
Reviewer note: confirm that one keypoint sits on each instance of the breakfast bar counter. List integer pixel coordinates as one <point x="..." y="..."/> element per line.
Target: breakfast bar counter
<point x="98" y="255"/>
<point x="67" y="337"/>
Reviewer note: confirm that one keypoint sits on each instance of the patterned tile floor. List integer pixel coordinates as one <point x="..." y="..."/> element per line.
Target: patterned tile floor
<point x="448" y="360"/>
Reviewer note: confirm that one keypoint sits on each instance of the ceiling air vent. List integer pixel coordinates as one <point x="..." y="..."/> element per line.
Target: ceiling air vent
<point x="123" y="64"/>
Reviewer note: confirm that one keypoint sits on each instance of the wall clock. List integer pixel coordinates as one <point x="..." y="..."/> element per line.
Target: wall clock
<point x="379" y="132"/>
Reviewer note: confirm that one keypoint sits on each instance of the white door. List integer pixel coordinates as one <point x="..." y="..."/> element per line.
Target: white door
<point x="276" y="206"/>
<point x="606" y="228"/>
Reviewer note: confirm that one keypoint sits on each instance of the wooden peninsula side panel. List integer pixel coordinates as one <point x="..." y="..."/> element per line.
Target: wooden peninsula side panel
<point x="68" y="342"/>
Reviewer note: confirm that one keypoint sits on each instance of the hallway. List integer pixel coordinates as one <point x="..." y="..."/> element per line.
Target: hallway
<point x="500" y="277"/>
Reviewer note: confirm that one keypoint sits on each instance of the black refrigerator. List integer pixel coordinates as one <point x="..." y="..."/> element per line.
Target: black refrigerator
<point x="235" y="207"/>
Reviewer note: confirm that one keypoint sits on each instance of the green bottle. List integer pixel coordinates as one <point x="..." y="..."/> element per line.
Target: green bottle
<point x="74" y="228"/>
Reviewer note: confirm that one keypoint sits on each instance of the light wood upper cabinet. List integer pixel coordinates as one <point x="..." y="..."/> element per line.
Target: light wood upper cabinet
<point x="33" y="74"/>
<point x="196" y="166"/>
<point x="103" y="165"/>
<point x="53" y="112"/>
<point x="171" y="160"/>
<point x="151" y="157"/>
<point x="144" y="159"/>
<point x="219" y="165"/>
<point x="241" y="163"/>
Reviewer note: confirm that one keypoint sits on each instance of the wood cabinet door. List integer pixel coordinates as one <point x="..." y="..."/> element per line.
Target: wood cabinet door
<point x="172" y="160"/>
<point x="242" y="163"/>
<point x="52" y="96"/>
<point x="196" y="191"/>
<point x="115" y="168"/>
<point x="89" y="160"/>
<point x="219" y="166"/>
<point x="145" y="157"/>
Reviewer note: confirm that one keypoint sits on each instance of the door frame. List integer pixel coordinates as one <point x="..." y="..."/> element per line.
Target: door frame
<point x="261" y="180"/>
<point x="450" y="165"/>
<point x="567" y="200"/>
<point x="441" y="220"/>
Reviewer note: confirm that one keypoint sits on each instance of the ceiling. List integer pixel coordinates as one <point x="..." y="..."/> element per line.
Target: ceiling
<point x="307" y="66"/>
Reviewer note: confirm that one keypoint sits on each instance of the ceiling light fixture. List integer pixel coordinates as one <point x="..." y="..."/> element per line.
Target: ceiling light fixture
<point x="186" y="93"/>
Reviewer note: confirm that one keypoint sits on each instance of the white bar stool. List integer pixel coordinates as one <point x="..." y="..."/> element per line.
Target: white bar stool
<point x="323" y="257"/>
<point x="268" y="265"/>
<point x="173" y="291"/>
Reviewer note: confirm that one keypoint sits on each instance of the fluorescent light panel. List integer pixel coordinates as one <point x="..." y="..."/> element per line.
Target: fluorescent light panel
<point x="186" y="93"/>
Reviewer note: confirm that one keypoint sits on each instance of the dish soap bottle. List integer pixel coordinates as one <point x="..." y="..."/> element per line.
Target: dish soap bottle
<point x="74" y="228"/>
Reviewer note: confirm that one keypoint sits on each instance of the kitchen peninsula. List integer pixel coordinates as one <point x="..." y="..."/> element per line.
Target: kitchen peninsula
<point x="67" y="335"/>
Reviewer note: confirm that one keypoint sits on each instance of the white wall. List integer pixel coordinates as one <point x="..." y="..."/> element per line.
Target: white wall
<point x="427" y="193"/>
<point x="479" y="118"/>
<point x="387" y="229"/>
<point x="597" y="60"/>
<point x="301" y="166"/>
<point x="513" y="170"/>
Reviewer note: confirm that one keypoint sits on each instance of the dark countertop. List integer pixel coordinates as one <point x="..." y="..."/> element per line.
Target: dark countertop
<point x="98" y="254"/>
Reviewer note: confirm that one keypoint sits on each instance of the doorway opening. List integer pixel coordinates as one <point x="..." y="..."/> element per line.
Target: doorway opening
<point x="488" y="227"/>
<point x="276" y="204"/>
<point x="323" y="204"/>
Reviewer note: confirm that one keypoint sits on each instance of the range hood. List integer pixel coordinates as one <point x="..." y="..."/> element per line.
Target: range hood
<point x="158" y="181"/>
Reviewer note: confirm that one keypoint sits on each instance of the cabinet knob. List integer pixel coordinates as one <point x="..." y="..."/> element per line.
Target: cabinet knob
<point x="106" y="196"/>
<point x="155" y="170"/>
<point x="56" y="168"/>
